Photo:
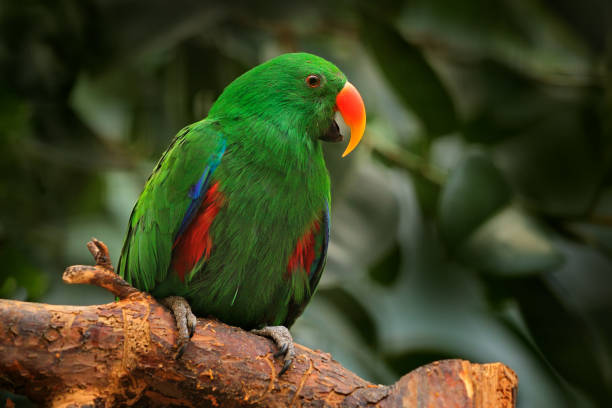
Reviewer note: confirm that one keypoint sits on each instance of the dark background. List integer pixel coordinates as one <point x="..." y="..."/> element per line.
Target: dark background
<point x="474" y="221"/>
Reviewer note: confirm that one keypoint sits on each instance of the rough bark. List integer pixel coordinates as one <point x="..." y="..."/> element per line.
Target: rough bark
<point x="123" y="354"/>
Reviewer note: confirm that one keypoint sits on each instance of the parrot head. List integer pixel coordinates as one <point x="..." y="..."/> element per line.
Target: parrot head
<point x="296" y="91"/>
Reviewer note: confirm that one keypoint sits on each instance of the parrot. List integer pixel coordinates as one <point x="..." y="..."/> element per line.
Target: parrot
<point x="234" y="221"/>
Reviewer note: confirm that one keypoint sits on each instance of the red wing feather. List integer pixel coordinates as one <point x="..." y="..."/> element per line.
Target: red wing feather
<point x="304" y="254"/>
<point x="195" y="242"/>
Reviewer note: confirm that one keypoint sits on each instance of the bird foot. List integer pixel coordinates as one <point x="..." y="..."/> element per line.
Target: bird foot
<point x="185" y="320"/>
<point x="281" y="336"/>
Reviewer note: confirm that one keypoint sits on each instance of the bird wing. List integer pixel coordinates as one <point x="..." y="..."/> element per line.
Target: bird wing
<point x="310" y="256"/>
<point x="161" y="225"/>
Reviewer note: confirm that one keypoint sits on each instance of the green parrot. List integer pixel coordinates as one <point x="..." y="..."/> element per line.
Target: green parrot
<point x="234" y="220"/>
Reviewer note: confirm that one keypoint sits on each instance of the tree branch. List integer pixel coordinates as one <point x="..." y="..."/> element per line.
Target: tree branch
<point x="123" y="354"/>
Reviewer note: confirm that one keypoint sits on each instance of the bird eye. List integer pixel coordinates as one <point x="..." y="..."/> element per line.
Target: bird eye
<point x="313" y="81"/>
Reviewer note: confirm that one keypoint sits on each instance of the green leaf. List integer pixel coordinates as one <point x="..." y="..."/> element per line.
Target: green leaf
<point x="436" y="308"/>
<point x="411" y="76"/>
<point x="522" y="34"/>
<point x="508" y="102"/>
<point x="564" y="333"/>
<point x="474" y="191"/>
<point x="365" y="216"/>
<point x="352" y="311"/>
<point x="510" y="243"/>
<point x="386" y="269"/>
<point x="558" y="164"/>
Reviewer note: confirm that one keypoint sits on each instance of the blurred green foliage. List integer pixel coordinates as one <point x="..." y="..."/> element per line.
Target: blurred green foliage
<point x="475" y="220"/>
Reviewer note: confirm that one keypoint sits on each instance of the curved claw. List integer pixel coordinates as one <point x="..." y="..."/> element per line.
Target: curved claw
<point x="281" y="336"/>
<point x="192" y="321"/>
<point x="180" y="351"/>
<point x="285" y="366"/>
<point x="282" y="350"/>
<point x="185" y="321"/>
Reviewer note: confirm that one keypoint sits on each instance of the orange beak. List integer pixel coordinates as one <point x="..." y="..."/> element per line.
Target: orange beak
<point x="352" y="109"/>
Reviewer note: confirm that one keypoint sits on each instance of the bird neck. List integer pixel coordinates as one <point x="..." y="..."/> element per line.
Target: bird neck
<point x="274" y="143"/>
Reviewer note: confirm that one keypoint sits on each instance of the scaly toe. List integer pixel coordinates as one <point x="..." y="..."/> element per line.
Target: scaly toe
<point x="185" y="321"/>
<point x="281" y="336"/>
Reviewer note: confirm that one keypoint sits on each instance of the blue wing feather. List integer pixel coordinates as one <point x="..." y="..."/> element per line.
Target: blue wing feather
<point x="160" y="214"/>
<point x="198" y="190"/>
